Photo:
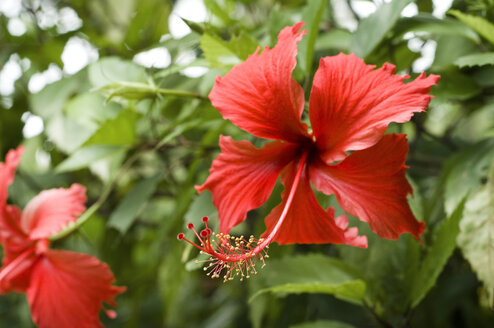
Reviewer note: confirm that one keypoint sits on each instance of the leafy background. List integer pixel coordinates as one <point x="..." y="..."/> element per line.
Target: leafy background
<point x="113" y="94"/>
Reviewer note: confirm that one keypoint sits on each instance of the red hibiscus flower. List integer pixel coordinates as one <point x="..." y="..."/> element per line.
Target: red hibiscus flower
<point x="64" y="289"/>
<point x="350" y="107"/>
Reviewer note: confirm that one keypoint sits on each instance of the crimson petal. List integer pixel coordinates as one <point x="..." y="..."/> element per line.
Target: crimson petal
<point x="15" y="274"/>
<point x="67" y="290"/>
<point x="53" y="209"/>
<point x="307" y="222"/>
<point x="243" y="176"/>
<point x="371" y="185"/>
<point x="260" y="96"/>
<point x="351" y="104"/>
<point x="12" y="237"/>
<point x="7" y="172"/>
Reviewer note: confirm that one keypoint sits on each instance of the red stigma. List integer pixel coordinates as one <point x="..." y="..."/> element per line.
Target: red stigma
<point x="190" y="226"/>
<point x="180" y="236"/>
<point x="205" y="219"/>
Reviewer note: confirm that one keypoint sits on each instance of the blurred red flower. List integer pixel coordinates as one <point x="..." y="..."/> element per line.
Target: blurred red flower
<point x="350" y="107"/>
<point x="64" y="289"/>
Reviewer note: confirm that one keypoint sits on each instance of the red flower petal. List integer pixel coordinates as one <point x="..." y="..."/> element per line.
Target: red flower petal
<point x="7" y="172"/>
<point x="15" y="274"/>
<point x="67" y="289"/>
<point x="306" y="221"/>
<point x="260" y="95"/>
<point x="12" y="237"/>
<point x="53" y="209"/>
<point x="242" y="177"/>
<point x="351" y="104"/>
<point x="371" y="185"/>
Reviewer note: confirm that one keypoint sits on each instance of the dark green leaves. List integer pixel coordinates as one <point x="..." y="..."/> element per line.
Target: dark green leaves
<point x="438" y="253"/>
<point x="311" y="15"/>
<point x="130" y="206"/>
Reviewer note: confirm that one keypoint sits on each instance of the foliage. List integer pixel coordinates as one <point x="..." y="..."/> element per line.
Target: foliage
<point x="140" y="137"/>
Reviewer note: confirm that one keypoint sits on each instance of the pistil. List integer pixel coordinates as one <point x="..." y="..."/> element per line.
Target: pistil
<point x="237" y="255"/>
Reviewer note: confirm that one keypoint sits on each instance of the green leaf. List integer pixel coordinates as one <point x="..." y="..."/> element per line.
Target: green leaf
<point x="221" y="53"/>
<point x="87" y="156"/>
<point x="177" y="130"/>
<point x="139" y="91"/>
<point x="90" y="110"/>
<point x="479" y="59"/>
<point x="425" y="23"/>
<point x="373" y="29"/>
<point x="214" y="8"/>
<point x="334" y="39"/>
<point x="120" y="131"/>
<point x="149" y="23"/>
<point x="312" y="274"/>
<point x="129" y="208"/>
<point x="51" y="100"/>
<point x="112" y="70"/>
<point x="277" y="21"/>
<point x="80" y="118"/>
<point x="479" y="24"/>
<point x="476" y="238"/>
<point x="478" y="125"/>
<point x="466" y="171"/>
<point x="438" y="254"/>
<point x="311" y="15"/>
<point x="449" y="49"/>
<point x="455" y="85"/>
<point x="388" y="267"/>
<point x="322" y="324"/>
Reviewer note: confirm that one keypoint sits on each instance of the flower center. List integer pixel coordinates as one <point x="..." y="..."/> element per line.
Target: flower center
<point x="238" y="256"/>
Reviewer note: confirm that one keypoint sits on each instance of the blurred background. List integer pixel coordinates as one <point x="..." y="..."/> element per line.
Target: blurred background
<point x="112" y="94"/>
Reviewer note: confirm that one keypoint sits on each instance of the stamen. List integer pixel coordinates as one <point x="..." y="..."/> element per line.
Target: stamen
<point x="229" y="256"/>
<point x="238" y="256"/>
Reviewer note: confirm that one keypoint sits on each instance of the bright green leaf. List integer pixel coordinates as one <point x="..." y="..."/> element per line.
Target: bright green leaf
<point x="221" y="53"/>
<point x="214" y="8"/>
<point x="51" y="100"/>
<point x="478" y="125"/>
<point x="112" y="70"/>
<point x="129" y="208"/>
<point x="90" y="110"/>
<point x="479" y="59"/>
<point x="426" y="23"/>
<point x="449" y="49"/>
<point x="312" y="274"/>
<point x="476" y="238"/>
<point x="466" y="170"/>
<point x="87" y="156"/>
<point x="373" y="29"/>
<point x="120" y="131"/>
<point x="479" y="24"/>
